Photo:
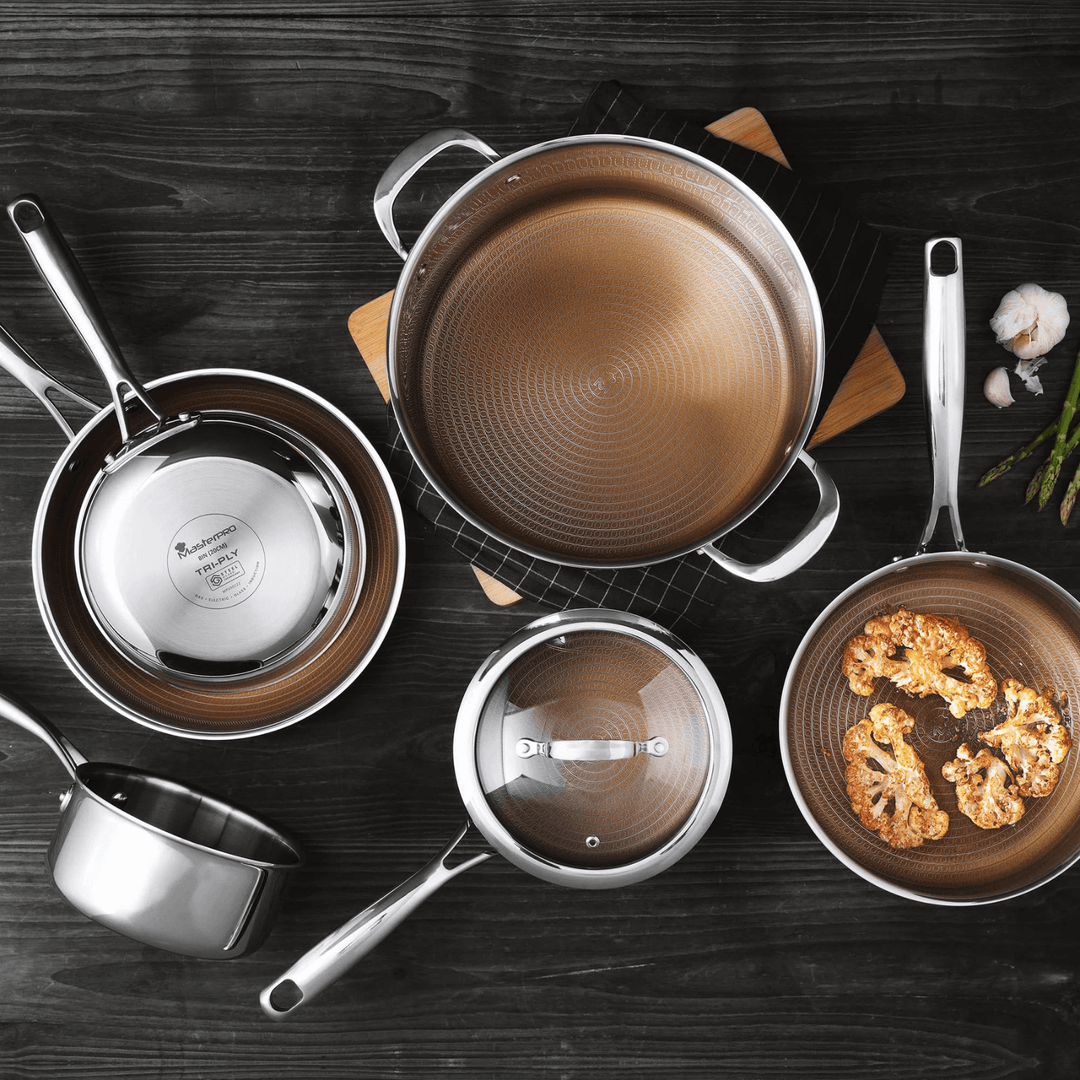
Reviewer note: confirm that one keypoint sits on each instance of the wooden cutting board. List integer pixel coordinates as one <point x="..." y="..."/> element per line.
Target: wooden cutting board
<point x="872" y="384"/>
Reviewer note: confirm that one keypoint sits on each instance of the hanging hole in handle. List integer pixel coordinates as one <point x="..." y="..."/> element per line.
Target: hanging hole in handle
<point x="943" y="259"/>
<point x="28" y="217"/>
<point x="286" y="996"/>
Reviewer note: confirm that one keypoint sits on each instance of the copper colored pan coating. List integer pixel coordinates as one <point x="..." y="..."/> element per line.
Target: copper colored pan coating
<point x="1031" y="630"/>
<point x="605" y="354"/>
<point x="261" y="701"/>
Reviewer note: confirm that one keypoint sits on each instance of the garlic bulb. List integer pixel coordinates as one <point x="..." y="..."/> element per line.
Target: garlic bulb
<point x="996" y="388"/>
<point x="1030" y="320"/>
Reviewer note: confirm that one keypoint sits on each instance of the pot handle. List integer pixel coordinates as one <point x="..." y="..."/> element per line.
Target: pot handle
<point x="338" y="952"/>
<point x="943" y="379"/>
<point x="804" y="547"/>
<point x="60" y="270"/>
<point x="19" y="364"/>
<point x="39" y="726"/>
<point x="402" y="168"/>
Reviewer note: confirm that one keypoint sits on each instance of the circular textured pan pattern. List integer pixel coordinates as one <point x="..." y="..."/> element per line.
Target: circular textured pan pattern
<point x="1031" y="630"/>
<point x="595" y="685"/>
<point x="261" y="701"/>
<point x="616" y="366"/>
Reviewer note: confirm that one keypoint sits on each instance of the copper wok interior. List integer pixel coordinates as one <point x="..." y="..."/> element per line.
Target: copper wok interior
<point x="1031" y="630"/>
<point x="262" y="700"/>
<point x="605" y="354"/>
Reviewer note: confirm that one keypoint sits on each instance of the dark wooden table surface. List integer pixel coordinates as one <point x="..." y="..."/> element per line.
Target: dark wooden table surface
<point x="213" y="165"/>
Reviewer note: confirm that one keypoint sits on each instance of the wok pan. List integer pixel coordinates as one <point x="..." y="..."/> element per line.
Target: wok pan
<point x="215" y="560"/>
<point x="1030" y="627"/>
<point x="605" y="351"/>
<point x="592" y="750"/>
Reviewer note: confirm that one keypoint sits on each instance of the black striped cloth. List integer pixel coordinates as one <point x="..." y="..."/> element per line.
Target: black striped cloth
<point x="848" y="261"/>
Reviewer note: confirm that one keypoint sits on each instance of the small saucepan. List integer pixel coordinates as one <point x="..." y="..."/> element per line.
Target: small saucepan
<point x="161" y="862"/>
<point x="593" y="750"/>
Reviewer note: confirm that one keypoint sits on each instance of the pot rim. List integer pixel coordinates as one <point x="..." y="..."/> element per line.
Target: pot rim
<point x="470" y="714"/>
<point x="131" y="820"/>
<point x="414" y="262"/>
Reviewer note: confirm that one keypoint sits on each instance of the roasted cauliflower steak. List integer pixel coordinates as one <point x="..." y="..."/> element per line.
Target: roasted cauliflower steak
<point x="1032" y="738"/>
<point x="918" y="652"/>
<point x="986" y="790"/>
<point x="886" y="780"/>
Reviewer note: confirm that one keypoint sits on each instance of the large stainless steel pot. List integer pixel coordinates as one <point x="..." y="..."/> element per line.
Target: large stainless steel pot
<point x="217" y="558"/>
<point x="593" y="750"/>
<point x="1030" y="627"/>
<point x="161" y="862"/>
<point x="605" y="351"/>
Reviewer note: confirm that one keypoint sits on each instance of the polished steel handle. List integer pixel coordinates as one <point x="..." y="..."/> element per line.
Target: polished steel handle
<point x="804" y="547"/>
<point x="61" y="271"/>
<point x="339" y="951"/>
<point x="591" y="749"/>
<point x="943" y="379"/>
<point x="18" y="363"/>
<point x="39" y="726"/>
<point x="401" y="170"/>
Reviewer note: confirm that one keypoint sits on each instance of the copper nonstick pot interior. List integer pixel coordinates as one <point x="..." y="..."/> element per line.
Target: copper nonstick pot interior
<point x="604" y="352"/>
<point x="1030" y="628"/>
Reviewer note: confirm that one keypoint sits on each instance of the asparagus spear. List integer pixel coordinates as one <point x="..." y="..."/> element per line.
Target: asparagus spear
<point x="1057" y="454"/>
<point x="1003" y="467"/>
<point x="1070" y="497"/>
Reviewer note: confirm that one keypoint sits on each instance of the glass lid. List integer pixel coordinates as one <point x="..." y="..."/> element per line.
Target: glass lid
<point x="593" y="748"/>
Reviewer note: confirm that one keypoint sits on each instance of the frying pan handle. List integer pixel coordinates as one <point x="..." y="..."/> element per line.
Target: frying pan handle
<point x="60" y="270"/>
<point x="19" y="364"/>
<point x="402" y="168"/>
<point x="804" y="547"/>
<point x="335" y="954"/>
<point x="943" y="375"/>
<point x="39" y="726"/>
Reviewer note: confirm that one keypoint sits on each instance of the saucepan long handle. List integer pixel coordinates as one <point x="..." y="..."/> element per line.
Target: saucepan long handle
<point x="18" y="363"/>
<point x="400" y="171"/>
<point x="943" y="372"/>
<point x="335" y="954"/>
<point x="39" y="726"/>
<point x="60" y="270"/>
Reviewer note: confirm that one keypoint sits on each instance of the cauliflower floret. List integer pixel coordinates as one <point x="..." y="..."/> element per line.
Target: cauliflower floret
<point x="932" y="646"/>
<point x="990" y="801"/>
<point x="1032" y="738"/>
<point x="886" y="780"/>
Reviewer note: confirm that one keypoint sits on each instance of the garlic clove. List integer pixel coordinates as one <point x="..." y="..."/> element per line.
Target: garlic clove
<point x="1030" y="320"/>
<point x="996" y="388"/>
